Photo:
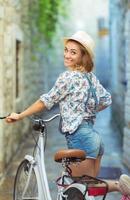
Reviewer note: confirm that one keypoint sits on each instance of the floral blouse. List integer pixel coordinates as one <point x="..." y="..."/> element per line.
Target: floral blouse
<point x="73" y="91"/>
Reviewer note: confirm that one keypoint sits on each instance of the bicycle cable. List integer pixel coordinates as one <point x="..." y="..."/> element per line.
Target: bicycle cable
<point x="34" y="138"/>
<point x="36" y="144"/>
<point x="45" y="133"/>
<point x="45" y="130"/>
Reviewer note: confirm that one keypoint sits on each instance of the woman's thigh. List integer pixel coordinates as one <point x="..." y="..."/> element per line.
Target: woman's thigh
<point x="87" y="167"/>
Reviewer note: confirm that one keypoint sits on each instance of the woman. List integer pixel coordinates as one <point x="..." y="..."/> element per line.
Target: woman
<point x="80" y="97"/>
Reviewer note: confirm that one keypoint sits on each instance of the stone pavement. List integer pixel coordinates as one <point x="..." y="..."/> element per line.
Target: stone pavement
<point x="56" y="141"/>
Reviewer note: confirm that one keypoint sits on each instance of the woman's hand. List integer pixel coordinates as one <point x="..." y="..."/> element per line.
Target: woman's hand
<point x="13" y="117"/>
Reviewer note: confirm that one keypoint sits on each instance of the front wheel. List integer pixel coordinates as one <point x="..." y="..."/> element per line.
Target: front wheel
<point x="25" y="184"/>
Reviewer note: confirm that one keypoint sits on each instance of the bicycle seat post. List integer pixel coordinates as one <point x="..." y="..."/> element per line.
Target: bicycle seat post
<point x="65" y="164"/>
<point x="69" y="156"/>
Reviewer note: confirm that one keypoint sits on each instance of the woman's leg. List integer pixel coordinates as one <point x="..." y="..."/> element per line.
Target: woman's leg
<point x="97" y="166"/>
<point x="113" y="185"/>
<point x="89" y="166"/>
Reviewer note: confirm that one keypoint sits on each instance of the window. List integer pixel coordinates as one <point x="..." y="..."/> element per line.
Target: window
<point x="17" y="72"/>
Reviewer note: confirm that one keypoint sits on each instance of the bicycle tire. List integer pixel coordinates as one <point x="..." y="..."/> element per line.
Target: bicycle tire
<point x="73" y="194"/>
<point x="20" y="182"/>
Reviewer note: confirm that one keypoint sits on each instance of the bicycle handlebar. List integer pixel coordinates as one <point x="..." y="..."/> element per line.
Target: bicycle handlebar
<point x="51" y="118"/>
<point x="44" y="120"/>
<point x="39" y="124"/>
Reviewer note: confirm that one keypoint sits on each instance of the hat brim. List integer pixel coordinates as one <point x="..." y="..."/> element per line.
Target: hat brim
<point x="65" y="40"/>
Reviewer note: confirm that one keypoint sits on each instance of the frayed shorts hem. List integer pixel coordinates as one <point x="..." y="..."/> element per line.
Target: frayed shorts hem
<point x="94" y="158"/>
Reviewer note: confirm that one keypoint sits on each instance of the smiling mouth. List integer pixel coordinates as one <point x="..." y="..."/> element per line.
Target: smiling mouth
<point x="67" y="60"/>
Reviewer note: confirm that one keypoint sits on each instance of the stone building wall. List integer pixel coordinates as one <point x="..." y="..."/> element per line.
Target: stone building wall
<point x="21" y="78"/>
<point x="126" y="141"/>
<point x="120" y="62"/>
<point x="117" y="59"/>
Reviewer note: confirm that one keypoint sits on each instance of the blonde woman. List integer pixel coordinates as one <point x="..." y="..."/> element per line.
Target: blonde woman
<point x="80" y="96"/>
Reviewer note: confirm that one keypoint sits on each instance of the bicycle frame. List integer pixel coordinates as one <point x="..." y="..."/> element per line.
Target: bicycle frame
<point x="39" y="168"/>
<point x="38" y="163"/>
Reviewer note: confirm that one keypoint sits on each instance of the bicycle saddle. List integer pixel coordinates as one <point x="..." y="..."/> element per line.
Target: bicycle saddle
<point x="73" y="155"/>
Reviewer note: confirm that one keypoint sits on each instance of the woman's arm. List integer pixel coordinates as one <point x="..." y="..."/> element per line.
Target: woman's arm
<point x="58" y="92"/>
<point x="34" y="108"/>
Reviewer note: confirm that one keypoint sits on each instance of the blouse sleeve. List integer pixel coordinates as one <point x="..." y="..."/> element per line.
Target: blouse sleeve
<point x="57" y="93"/>
<point x="104" y="96"/>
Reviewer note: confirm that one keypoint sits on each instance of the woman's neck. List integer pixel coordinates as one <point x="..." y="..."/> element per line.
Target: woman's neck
<point x="77" y="68"/>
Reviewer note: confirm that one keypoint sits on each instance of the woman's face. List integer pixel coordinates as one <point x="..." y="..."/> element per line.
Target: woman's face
<point x="72" y="54"/>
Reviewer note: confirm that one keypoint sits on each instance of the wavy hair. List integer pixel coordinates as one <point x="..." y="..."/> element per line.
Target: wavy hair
<point x="86" y="63"/>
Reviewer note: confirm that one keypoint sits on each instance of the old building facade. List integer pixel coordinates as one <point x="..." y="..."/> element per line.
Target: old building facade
<point x="120" y="70"/>
<point x="20" y="75"/>
<point x="126" y="146"/>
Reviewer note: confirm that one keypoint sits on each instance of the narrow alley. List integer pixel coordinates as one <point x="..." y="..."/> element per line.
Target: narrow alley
<point x="32" y="55"/>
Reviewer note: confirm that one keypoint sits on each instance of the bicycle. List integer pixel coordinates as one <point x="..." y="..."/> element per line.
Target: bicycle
<point x="31" y="180"/>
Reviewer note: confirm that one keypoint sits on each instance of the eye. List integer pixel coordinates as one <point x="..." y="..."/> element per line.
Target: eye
<point x="65" y="50"/>
<point x="73" y="52"/>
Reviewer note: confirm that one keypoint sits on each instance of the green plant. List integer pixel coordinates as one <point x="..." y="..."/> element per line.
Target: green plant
<point x="44" y="16"/>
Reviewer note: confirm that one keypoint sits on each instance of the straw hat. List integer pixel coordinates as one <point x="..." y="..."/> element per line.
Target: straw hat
<point x="84" y="39"/>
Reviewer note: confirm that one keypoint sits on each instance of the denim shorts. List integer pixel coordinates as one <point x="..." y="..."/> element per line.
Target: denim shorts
<point x="87" y="139"/>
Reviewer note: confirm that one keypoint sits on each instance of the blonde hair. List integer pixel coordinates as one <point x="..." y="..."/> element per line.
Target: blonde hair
<point x="86" y="62"/>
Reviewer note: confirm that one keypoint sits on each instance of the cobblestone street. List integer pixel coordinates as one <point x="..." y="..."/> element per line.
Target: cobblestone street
<point x="56" y="141"/>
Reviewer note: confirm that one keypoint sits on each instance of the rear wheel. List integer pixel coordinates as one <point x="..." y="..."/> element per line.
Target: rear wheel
<point x="25" y="184"/>
<point x="73" y="194"/>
